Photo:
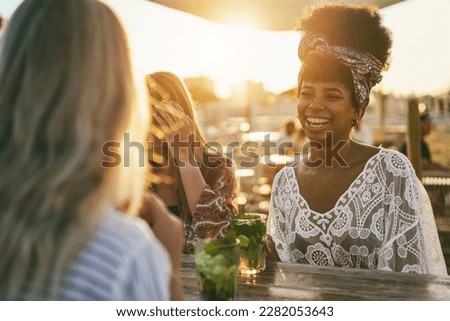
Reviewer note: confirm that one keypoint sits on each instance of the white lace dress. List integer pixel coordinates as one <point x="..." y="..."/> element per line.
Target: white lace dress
<point x="383" y="221"/>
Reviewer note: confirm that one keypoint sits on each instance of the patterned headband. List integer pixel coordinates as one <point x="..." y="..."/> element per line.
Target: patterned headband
<point x="365" y="68"/>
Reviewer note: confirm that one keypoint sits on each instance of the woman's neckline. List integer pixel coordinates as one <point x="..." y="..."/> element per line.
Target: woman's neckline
<point x="350" y="187"/>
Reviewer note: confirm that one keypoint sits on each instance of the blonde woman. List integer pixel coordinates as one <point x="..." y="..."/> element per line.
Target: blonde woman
<point x="66" y="88"/>
<point x="201" y="186"/>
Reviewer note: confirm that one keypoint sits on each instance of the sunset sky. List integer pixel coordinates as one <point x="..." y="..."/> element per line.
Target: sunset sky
<point x="166" y="39"/>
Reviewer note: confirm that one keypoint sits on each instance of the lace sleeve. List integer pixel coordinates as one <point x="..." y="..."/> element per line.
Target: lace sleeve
<point x="411" y="243"/>
<point x="435" y="258"/>
<point x="277" y="221"/>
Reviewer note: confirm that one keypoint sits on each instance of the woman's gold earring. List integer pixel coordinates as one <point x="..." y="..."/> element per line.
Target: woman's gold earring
<point x="354" y="122"/>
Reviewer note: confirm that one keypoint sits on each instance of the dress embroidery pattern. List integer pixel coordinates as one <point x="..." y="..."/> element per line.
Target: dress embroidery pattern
<point x="383" y="221"/>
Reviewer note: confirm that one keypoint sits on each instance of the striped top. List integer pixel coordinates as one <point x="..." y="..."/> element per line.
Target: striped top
<point x="124" y="261"/>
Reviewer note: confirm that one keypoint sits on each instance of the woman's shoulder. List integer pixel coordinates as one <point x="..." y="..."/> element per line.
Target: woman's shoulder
<point x="364" y="152"/>
<point x="372" y="155"/>
<point x="394" y="156"/>
<point x="123" y="232"/>
<point x="286" y="174"/>
<point x="120" y="225"/>
<point x="120" y="246"/>
<point x="395" y="163"/>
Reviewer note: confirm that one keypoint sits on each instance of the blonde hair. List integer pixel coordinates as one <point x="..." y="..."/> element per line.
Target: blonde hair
<point x="66" y="88"/>
<point x="166" y="86"/>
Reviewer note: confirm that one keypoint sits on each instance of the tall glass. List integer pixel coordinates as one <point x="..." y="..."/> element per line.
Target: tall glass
<point x="250" y="229"/>
<point x="217" y="263"/>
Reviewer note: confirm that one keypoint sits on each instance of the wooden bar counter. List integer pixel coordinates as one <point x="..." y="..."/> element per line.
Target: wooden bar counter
<point x="297" y="282"/>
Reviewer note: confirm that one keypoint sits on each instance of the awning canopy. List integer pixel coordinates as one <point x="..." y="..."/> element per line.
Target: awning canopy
<point x="274" y="15"/>
<point x="167" y="39"/>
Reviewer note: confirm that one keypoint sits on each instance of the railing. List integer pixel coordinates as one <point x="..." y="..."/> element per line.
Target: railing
<point x="437" y="184"/>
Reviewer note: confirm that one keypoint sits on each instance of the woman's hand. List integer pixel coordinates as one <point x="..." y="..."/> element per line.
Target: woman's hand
<point x="271" y="252"/>
<point x="179" y="131"/>
<point x="177" y="128"/>
<point x="169" y="231"/>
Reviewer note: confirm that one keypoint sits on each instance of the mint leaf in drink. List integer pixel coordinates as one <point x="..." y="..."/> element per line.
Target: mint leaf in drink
<point x="243" y="241"/>
<point x="251" y="231"/>
<point x="217" y="263"/>
<point x="214" y="247"/>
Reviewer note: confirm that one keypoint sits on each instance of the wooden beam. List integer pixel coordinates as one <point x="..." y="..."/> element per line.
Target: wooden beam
<point x="414" y="136"/>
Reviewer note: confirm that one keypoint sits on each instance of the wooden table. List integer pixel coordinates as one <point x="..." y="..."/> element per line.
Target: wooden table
<point x="296" y="282"/>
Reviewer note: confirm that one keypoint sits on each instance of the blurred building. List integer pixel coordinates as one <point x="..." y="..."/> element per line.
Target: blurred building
<point x="202" y="89"/>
